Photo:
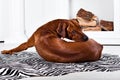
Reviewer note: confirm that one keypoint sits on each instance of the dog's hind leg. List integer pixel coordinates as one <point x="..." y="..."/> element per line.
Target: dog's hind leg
<point x="21" y="47"/>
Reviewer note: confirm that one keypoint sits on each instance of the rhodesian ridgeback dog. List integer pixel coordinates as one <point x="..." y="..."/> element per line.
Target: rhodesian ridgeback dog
<point x="49" y="45"/>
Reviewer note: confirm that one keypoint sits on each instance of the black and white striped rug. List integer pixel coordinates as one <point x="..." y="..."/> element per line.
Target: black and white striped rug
<point x="29" y="64"/>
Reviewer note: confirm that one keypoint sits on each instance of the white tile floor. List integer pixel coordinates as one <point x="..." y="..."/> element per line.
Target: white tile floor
<point x="115" y="50"/>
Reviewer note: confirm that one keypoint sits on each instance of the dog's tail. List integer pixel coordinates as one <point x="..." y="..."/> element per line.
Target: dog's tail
<point x="21" y="47"/>
<point x="29" y="43"/>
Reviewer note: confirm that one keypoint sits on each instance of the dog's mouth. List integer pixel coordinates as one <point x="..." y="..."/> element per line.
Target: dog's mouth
<point x="83" y="39"/>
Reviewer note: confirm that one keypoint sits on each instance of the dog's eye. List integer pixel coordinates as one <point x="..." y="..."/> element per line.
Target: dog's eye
<point x="81" y="27"/>
<point x="73" y="32"/>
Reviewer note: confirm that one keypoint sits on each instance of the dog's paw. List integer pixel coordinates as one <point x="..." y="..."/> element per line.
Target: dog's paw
<point x="6" y="52"/>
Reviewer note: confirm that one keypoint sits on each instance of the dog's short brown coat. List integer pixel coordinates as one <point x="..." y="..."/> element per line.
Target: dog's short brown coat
<point x="48" y="43"/>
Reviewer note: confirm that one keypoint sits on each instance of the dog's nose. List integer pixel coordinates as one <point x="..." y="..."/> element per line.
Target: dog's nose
<point x="85" y="38"/>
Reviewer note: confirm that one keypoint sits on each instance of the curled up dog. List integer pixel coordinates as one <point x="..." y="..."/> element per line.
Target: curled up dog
<point x="49" y="45"/>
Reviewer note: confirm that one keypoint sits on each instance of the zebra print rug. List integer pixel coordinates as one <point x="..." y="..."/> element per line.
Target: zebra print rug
<point x="29" y="64"/>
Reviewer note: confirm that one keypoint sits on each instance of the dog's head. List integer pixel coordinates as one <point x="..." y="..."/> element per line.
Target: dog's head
<point x="71" y="31"/>
<point x="86" y="18"/>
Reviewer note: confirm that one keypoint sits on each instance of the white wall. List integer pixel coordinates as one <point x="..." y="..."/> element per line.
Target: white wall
<point x="18" y="17"/>
<point x="1" y="29"/>
<point x="4" y="19"/>
<point x="12" y="21"/>
<point x="117" y="15"/>
<point x="38" y="12"/>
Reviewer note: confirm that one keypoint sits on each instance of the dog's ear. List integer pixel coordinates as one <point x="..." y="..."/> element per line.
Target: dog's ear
<point x="61" y="29"/>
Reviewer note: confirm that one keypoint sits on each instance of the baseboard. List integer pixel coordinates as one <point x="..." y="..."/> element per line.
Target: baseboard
<point x="111" y="44"/>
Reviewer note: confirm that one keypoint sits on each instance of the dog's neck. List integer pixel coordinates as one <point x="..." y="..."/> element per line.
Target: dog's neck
<point x="75" y="21"/>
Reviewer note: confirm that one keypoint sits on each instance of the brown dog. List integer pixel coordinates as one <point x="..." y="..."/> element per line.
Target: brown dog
<point x="48" y="43"/>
